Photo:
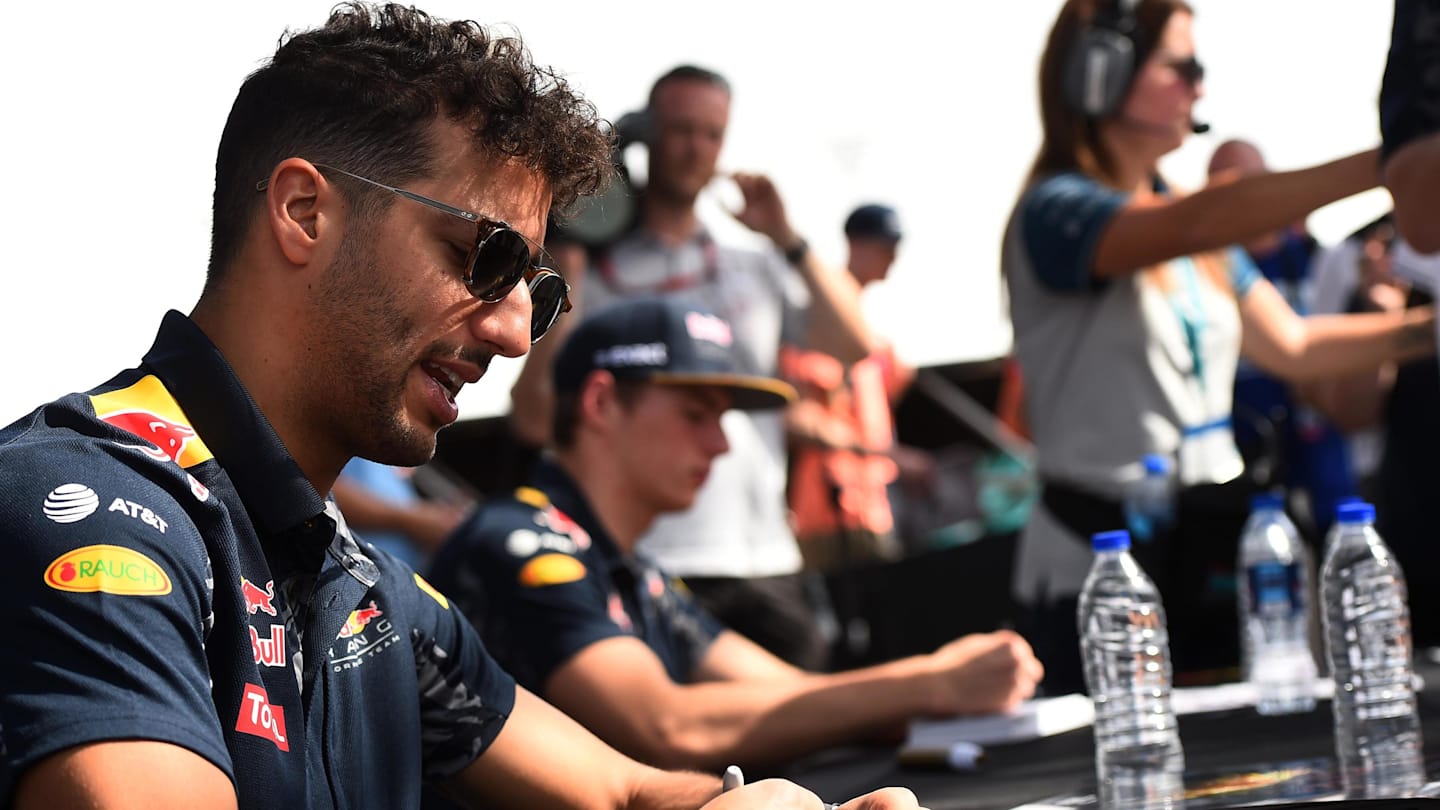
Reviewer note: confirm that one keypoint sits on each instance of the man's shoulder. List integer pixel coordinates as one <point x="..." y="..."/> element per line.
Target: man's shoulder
<point x="526" y="535"/>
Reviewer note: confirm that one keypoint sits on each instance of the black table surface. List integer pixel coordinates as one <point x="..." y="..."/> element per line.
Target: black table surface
<point x="1218" y="745"/>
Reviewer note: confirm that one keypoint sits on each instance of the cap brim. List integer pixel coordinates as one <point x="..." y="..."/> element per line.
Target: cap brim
<point x="749" y="393"/>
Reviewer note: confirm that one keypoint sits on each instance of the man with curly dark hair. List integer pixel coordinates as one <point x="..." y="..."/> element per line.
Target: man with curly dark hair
<point x="191" y="622"/>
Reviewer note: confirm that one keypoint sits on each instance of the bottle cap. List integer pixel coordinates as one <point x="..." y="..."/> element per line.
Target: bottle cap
<point x="1111" y="541"/>
<point x="1154" y="464"/>
<point x="1355" y="512"/>
<point x="1267" y="500"/>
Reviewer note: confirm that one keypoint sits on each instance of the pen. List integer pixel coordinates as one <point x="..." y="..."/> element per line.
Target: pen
<point x="735" y="778"/>
<point x="732" y="779"/>
<point x="958" y="756"/>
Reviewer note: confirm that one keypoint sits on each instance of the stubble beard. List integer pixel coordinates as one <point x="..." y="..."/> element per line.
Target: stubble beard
<point x="362" y="355"/>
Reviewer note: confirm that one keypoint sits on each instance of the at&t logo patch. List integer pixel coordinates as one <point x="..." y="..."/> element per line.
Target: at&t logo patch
<point x="69" y="503"/>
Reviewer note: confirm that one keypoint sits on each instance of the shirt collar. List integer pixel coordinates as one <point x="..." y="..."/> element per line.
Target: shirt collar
<point x="566" y="496"/>
<point x="275" y="492"/>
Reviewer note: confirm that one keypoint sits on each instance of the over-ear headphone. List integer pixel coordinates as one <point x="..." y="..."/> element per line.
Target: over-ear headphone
<point x="596" y="222"/>
<point x="1101" y="62"/>
<point x="634" y="127"/>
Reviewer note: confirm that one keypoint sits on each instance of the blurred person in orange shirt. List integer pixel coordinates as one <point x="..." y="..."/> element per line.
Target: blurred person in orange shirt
<point x="844" y="454"/>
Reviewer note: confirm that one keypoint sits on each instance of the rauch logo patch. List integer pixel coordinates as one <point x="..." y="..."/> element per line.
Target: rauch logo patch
<point x="108" y="569"/>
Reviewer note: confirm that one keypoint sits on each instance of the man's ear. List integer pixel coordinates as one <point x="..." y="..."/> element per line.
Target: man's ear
<point x="300" y="209"/>
<point x="599" y="404"/>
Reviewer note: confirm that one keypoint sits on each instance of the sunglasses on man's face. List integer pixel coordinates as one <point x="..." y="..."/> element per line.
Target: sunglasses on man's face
<point x="498" y="261"/>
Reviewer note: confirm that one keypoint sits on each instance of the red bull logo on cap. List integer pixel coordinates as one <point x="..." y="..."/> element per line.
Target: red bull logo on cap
<point x="148" y="411"/>
<point x="355" y="625"/>
<point x="708" y="327"/>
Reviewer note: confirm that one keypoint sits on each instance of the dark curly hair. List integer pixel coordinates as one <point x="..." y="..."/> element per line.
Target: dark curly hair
<point x="362" y="91"/>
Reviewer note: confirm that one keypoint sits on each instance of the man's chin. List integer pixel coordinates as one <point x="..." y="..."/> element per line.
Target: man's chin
<point x="411" y="446"/>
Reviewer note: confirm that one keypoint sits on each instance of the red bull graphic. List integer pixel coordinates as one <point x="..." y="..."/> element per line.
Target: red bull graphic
<point x="261" y="719"/>
<point x="269" y="651"/>
<point x="256" y="599"/>
<point x="708" y="327"/>
<point x="147" y="410"/>
<point x="355" y="625"/>
<point x="107" y="569"/>
<point x="168" y="439"/>
<point x="563" y="523"/>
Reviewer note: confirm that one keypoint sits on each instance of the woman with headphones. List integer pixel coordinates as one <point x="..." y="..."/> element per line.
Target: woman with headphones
<point x="1130" y="310"/>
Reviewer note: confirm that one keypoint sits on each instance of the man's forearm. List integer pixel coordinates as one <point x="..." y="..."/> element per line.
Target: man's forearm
<point x="837" y="325"/>
<point x="672" y="790"/>
<point x="709" y="725"/>
<point x="1413" y="176"/>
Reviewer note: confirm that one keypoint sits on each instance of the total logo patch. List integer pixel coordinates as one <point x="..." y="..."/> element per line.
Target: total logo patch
<point x="70" y="503"/>
<point x="261" y="719"/>
<point x="107" y="569"/>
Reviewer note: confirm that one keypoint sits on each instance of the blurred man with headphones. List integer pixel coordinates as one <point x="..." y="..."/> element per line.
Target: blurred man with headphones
<point x="734" y="548"/>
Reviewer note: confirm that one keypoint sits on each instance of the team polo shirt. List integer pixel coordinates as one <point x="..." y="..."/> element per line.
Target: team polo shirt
<point x="542" y="580"/>
<point x="171" y="575"/>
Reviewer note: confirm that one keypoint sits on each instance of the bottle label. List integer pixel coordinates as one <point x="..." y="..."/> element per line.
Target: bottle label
<point x="1275" y="588"/>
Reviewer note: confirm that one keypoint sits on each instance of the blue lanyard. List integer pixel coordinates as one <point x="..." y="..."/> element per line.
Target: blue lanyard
<point x="1192" y="316"/>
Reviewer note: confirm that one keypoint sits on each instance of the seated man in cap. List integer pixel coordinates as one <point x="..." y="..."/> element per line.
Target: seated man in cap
<point x="845" y="456"/>
<point x="553" y="579"/>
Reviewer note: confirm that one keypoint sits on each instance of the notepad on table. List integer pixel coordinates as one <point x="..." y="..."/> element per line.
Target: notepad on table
<point x="1040" y="717"/>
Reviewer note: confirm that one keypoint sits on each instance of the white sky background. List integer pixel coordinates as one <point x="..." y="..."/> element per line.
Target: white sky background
<point x="113" y="112"/>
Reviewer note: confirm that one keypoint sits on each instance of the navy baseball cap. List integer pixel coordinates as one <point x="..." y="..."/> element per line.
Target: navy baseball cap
<point x="667" y="341"/>
<point x="874" y="220"/>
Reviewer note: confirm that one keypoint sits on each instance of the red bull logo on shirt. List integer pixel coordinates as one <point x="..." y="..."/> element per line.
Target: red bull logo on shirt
<point x="269" y="651"/>
<point x="256" y="599"/>
<point x="355" y="625"/>
<point x="148" y="411"/>
<point x="107" y="569"/>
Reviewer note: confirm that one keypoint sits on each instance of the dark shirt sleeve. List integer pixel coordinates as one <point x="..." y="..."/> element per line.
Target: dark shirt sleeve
<point x="106" y="599"/>
<point x="1062" y="218"/>
<point x="1410" y="90"/>
<point x="692" y="628"/>
<point x="533" y="593"/>
<point x="465" y="697"/>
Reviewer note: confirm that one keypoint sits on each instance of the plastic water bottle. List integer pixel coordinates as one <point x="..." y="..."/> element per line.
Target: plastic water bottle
<point x="1367" y="637"/>
<point x="1126" y="651"/>
<point x="1150" y="499"/>
<point x="1274" y="588"/>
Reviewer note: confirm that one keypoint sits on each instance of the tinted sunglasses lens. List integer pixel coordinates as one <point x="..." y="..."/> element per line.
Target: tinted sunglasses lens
<point x="500" y="262"/>
<point x="547" y="301"/>
<point x="1191" y="70"/>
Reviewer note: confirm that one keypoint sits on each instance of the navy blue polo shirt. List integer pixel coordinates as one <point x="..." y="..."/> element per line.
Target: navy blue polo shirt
<point x="171" y="575"/>
<point x="537" y="573"/>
